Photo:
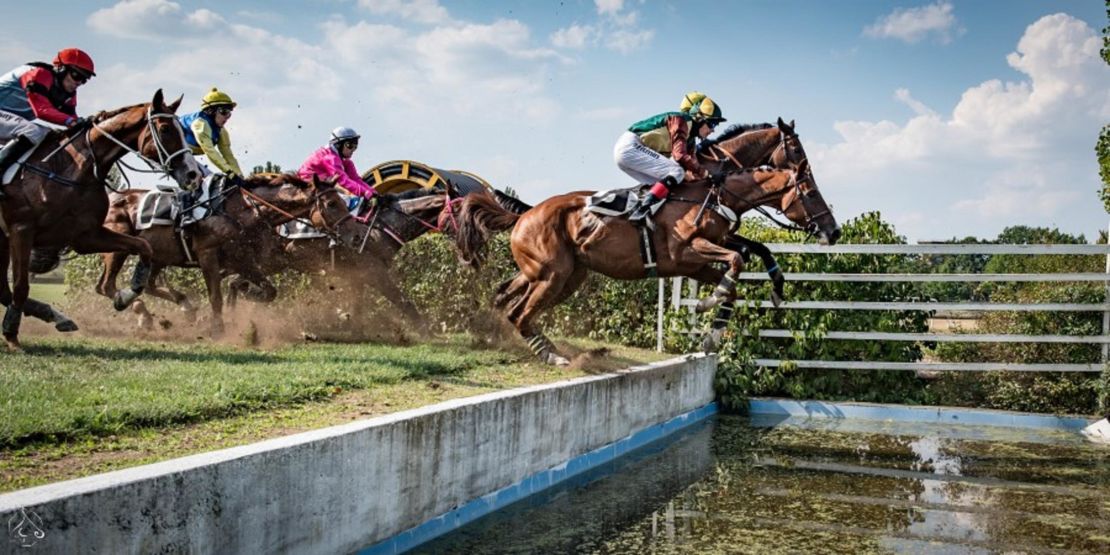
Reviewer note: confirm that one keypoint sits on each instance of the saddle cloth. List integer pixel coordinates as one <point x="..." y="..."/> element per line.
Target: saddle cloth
<point x="161" y="206"/>
<point x="614" y="202"/>
<point x="301" y="229"/>
<point x="13" y="169"/>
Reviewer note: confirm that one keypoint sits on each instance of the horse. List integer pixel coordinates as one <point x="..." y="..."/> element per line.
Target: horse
<point x="556" y="243"/>
<point x="59" y="199"/>
<point x="383" y="231"/>
<point x="233" y="240"/>
<point x="739" y="146"/>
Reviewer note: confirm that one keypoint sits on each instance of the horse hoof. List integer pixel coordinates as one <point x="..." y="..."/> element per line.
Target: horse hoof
<point x="123" y="299"/>
<point x="712" y="341"/>
<point x="13" y="344"/>
<point x="66" y="325"/>
<point x="776" y="299"/>
<point x="707" y="304"/>
<point x="556" y="360"/>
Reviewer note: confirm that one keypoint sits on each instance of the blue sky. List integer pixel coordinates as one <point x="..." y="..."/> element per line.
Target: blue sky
<point x="952" y="118"/>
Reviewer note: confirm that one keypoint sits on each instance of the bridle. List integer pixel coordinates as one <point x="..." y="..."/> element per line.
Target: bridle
<point x="165" y="157"/>
<point x="448" y="209"/>
<point x="330" y="228"/>
<point x="804" y="195"/>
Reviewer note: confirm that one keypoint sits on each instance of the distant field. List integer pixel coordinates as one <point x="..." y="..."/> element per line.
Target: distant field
<point x="51" y="293"/>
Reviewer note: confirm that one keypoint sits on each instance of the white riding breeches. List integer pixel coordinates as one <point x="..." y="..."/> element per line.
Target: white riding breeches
<point x="642" y="163"/>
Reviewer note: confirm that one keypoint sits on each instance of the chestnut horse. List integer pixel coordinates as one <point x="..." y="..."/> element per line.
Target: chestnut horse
<point x="739" y="146"/>
<point x="59" y="199"/>
<point x="381" y="233"/>
<point x="232" y="241"/>
<point x="556" y="243"/>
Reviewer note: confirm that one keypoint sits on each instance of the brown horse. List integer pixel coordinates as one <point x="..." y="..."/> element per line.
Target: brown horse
<point x="739" y="146"/>
<point x="556" y="243"/>
<point x="381" y="233"/>
<point x="232" y="241"/>
<point x="59" y="199"/>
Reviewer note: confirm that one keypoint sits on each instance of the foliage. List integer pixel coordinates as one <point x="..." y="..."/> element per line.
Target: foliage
<point x="739" y="378"/>
<point x="1102" y="147"/>
<point x="1030" y="391"/>
<point x="269" y="167"/>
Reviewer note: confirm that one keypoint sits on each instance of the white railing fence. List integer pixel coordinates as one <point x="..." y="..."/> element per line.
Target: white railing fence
<point x="679" y="299"/>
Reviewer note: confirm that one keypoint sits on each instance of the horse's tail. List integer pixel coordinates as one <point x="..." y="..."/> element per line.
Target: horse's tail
<point x="481" y="216"/>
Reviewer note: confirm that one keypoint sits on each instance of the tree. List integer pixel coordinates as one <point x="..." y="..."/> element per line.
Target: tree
<point x="1102" y="148"/>
<point x="270" y="167"/>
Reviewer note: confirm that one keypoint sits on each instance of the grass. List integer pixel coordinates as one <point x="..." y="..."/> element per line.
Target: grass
<point x="74" y="407"/>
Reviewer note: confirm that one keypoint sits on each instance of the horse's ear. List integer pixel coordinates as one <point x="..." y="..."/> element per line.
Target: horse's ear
<point x="791" y="124"/>
<point x="172" y="108"/>
<point x="159" y="102"/>
<point x="782" y="125"/>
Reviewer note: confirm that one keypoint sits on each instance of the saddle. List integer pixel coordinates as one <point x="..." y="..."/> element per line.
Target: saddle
<point x="162" y="206"/>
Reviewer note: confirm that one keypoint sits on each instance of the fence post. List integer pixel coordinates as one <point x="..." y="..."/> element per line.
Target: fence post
<point x="659" y="320"/>
<point x="1106" y="298"/>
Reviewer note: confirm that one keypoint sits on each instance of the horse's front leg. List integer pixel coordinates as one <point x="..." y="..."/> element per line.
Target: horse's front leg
<point x="726" y="288"/>
<point x="103" y="239"/>
<point x="18" y="254"/>
<point x="209" y="261"/>
<point x="31" y="307"/>
<point x="743" y="245"/>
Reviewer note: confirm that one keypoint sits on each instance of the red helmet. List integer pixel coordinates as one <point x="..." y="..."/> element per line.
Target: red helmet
<point x="75" y="57"/>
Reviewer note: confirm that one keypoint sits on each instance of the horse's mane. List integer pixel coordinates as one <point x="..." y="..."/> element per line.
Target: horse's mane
<point x="113" y="113"/>
<point x="739" y="129"/>
<point x="274" y="180"/>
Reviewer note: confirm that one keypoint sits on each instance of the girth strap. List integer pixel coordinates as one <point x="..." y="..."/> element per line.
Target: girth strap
<point x="647" y="251"/>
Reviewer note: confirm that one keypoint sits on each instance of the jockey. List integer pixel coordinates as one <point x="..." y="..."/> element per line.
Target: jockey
<point x="43" y="91"/>
<point x="205" y="133"/>
<point x="333" y="161"/>
<point x="660" y="149"/>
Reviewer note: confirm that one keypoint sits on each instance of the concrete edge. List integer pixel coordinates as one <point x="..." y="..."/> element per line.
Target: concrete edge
<point x="928" y="414"/>
<point x="15" y="500"/>
<point x="535" y="483"/>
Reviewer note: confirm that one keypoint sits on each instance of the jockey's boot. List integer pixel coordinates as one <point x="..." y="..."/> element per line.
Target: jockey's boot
<point x="10" y="153"/>
<point x="657" y="194"/>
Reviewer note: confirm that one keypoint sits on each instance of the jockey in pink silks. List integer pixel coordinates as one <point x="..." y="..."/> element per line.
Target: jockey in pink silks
<point x="333" y="160"/>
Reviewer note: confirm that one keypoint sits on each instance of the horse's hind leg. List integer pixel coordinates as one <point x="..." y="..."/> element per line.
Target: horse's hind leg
<point x="541" y="295"/>
<point x="20" y="240"/>
<point x="31" y="307"/>
<point x="165" y="292"/>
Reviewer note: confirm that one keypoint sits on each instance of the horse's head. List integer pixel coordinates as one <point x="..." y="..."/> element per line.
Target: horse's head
<point x="162" y="142"/>
<point x="803" y="204"/>
<point x="329" y="213"/>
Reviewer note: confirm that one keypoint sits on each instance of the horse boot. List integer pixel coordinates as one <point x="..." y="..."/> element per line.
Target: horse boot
<point x="45" y="259"/>
<point x="657" y="195"/>
<point x="10" y="153"/>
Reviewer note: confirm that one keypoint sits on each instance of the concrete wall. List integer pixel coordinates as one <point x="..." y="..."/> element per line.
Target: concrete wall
<point x="342" y="488"/>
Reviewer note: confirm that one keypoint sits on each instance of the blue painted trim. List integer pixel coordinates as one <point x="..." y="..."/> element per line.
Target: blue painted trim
<point x="535" y="483"/>
<point x="904" y="413"/>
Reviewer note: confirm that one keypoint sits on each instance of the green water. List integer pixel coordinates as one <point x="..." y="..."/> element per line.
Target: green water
<point x="741" y="486"/>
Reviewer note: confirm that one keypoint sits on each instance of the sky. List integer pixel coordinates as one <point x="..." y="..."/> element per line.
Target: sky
<point x="952" y="118"/>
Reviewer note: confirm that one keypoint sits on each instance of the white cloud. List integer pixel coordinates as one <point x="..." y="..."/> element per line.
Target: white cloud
<point x="576" y="36"/>
<point x="903" y="95"/>
<point x="913" y="24"/>
<point x="1008" y="150"/>
<point x="153" y="19"/>
<point x="611" y="7"/>
<point x="625" y="42"/>
<point x="422" y="11"/>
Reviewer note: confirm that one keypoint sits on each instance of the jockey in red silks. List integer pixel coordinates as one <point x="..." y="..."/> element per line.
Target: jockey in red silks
<point x="333" y="161"/>
<point x="38" y="90"/>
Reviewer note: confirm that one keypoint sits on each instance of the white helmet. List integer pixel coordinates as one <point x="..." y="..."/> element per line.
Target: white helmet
<point x="341" y="134"/>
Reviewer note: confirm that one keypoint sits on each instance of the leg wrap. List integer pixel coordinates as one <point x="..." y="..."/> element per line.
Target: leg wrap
<point x="724" y="314"/>
<point x="540" y="345"/>
<point x="12" y="319"/>
<point x="726" y="287"/>
<point x="140" y="277"/>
